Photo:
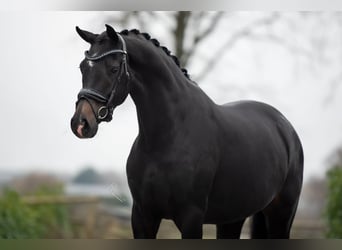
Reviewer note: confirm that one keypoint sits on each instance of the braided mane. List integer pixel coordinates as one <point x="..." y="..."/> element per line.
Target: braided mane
<point x="157" y="44"/>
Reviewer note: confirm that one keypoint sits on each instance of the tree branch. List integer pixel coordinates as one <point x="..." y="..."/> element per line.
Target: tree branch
<point x="229" y="44"/>
<point x="200" y="36"/>
<point x="182" y="18"/>
<point x="334" y="85"/>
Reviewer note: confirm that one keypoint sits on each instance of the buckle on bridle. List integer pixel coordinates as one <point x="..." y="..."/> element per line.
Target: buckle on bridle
<point x="102" y="113"/>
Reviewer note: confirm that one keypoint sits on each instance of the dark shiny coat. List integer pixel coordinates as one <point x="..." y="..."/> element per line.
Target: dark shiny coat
<point x="196" y="162"/>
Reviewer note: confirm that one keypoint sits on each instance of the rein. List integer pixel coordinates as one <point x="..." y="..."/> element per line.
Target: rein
<point x="105" y="112"/>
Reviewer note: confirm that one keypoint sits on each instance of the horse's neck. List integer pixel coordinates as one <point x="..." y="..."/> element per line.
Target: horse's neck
<point x="163" y="96"/>
<point x="160" y="109"/>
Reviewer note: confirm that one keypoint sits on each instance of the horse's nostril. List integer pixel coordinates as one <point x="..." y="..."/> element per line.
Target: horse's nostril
<point x="83" y="122"/>
<point x="85" y="125"/>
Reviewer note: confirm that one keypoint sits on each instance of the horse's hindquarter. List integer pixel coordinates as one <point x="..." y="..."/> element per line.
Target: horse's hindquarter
<point x="254" y="159"/>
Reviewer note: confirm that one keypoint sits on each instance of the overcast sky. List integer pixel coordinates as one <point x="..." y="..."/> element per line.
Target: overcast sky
<point x="40" y="79"/>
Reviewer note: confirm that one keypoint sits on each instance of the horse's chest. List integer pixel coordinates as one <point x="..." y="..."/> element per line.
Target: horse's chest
<point x="160" y="189"/>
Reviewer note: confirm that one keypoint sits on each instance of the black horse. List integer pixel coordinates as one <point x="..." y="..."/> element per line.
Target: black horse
<point x="193" y="161"/>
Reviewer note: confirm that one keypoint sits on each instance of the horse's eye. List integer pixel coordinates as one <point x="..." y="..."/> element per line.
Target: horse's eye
<point x="114" y="70"/>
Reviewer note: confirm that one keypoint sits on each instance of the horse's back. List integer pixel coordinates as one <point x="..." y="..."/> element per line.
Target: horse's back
<point x="253" y="118"/>
<point x="265" y="119"/>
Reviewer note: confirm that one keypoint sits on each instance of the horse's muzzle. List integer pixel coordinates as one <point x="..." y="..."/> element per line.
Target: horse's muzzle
<point x="82" y="128"/>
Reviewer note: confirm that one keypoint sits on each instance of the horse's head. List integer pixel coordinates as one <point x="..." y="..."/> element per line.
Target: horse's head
<point x="105" y="80"/>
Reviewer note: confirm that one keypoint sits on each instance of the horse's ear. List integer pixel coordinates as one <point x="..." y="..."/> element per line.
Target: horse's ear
<point x="111" y="33"/>
<point x="86" y="35"/>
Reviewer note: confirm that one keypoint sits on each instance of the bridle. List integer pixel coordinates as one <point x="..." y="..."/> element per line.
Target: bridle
<point x="105" y="112"/>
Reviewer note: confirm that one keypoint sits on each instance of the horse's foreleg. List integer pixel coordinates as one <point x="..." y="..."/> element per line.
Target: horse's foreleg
<point x="144" y="226"/>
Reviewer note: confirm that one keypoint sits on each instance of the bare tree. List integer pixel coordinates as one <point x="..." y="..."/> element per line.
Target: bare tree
<point x="185" y="43"/>
<point x="303" y="34"/>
